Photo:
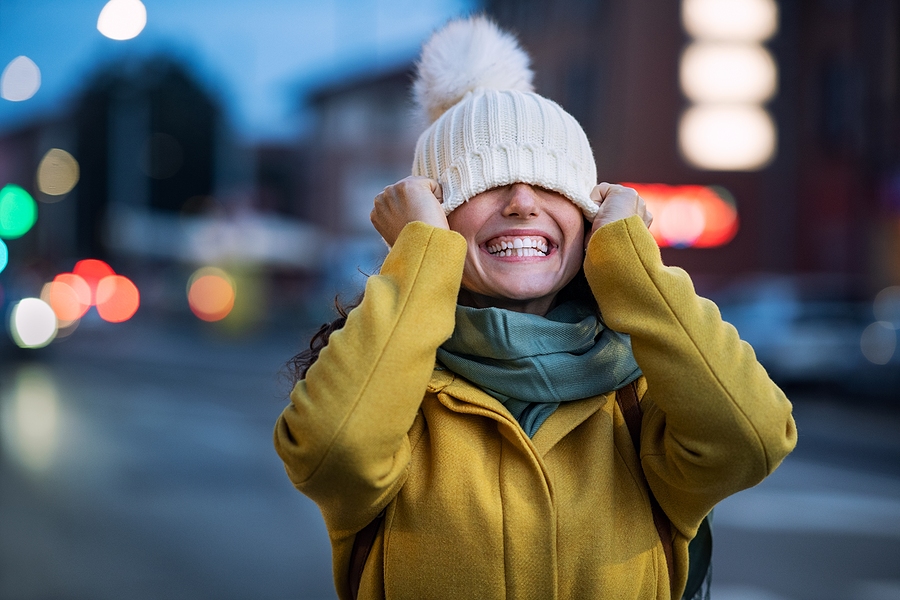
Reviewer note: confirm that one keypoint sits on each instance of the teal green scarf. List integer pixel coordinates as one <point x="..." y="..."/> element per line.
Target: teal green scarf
<point x="532" y="363"/>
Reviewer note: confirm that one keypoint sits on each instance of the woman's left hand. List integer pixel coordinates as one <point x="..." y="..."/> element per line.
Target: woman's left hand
<point x="617" y="202"/>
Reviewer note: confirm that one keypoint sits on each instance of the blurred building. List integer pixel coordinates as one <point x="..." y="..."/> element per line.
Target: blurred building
<point x="827" y="201"/>
<point x="163" y="182"/>
<point x="362" y="140"/>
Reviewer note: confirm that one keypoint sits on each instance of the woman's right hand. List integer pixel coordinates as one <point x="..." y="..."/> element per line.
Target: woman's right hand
<point x="410" y="199"/>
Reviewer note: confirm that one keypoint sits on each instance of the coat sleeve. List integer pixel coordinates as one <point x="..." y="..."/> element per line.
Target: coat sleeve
<point x="344" y="436"/>
<point x="714" y="423"/>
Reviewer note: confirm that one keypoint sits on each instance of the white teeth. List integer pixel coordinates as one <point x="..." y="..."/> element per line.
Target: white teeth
<point x="520" y="247"/>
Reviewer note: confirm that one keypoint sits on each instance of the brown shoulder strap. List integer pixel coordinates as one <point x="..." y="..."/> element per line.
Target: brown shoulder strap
<point x="630" y="406"/>
<point x="362" y="546"/>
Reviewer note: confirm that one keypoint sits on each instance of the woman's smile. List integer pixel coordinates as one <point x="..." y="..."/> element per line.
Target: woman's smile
<point x="525" y="244"/>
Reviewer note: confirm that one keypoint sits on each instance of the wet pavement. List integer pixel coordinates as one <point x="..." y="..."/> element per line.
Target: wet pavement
<point x="137" y="463"/>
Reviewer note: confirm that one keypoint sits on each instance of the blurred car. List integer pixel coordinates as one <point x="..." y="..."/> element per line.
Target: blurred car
<point x="815" y="331"/>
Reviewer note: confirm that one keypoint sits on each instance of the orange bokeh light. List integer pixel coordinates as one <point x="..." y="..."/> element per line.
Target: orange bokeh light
<point x="692" y="216"/>
<point x="117" y="298"/>
<point x="69" y="296"/>
<point x="211" y="295"/>
<point x="92" y="271"/>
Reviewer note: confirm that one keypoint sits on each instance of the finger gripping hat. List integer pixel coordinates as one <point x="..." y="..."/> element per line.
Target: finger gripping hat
<point x="487" y="126"/>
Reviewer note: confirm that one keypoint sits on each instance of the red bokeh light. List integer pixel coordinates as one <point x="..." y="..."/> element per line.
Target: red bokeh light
<point x="117" y="298"/>
<point x="69" y="296"/>
<point x="92" y="271"/>
<point x="720" y="220"/>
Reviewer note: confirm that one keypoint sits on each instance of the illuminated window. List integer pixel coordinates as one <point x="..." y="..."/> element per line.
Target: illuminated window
<point x="728" y="75"/>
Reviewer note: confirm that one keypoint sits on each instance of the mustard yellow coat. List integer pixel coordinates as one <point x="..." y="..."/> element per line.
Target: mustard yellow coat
<point x="474" y="509"/>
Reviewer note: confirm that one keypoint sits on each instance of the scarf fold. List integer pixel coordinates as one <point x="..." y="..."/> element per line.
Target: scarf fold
<point x="531" y="363"/>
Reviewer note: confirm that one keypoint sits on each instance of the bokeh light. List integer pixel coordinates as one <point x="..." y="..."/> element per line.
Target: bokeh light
<point x="727" y="137"/>
<point x="745" y="20"/>
<point x="64" y="330"/>
<point x="92" y="271"/>
<point x="878" y="342"/>
<point x="4" y="257"/>
<point x="122" y="19"/>
<point x="21" y="79"/>
<point x="211" y="293"/>
<point x="693" y="216"/>
<point x="887" y="306"/>
<point x="18" y="211"/>
<point x="30" y="418"/>
<point x="723" y="72"/>
<point x="58" y="173"/>
<point x="69" y="296"/>
<point x="681" y="222"/>
<point x="117" y="298"/>
<point x="32" y="323"/>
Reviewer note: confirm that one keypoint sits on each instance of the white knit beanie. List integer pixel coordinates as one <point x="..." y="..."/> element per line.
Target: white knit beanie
<point x="488" y="127"/>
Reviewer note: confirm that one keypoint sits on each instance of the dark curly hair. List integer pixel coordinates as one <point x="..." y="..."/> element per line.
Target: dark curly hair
<point x="300" y="363"/>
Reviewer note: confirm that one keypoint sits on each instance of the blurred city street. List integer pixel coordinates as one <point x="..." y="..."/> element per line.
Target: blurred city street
<point x="184" y="185"/>
<point x="137" y="463"/>
<point x="151" y="472"/>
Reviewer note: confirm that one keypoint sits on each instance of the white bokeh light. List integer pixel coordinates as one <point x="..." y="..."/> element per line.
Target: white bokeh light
<point x="878" y="342"/>
<point x="122" y="19"/>
<point x="722" y="72"/>
<point x="21" y="79"/>
<point x="887" y="306"/>
<point x="32" y="323"/>
<point x="744" y="20"/>
<point x="727" y="138"/>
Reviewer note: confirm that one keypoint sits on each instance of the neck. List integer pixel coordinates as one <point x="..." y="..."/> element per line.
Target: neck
<point x="534" y="306"/>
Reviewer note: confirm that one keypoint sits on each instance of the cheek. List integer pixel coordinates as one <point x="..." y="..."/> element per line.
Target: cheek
<point x="575" y="245"/>
<point x="468" y="218"/>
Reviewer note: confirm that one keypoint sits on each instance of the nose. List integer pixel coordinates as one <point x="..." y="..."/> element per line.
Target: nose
<point x="521" y="201"/>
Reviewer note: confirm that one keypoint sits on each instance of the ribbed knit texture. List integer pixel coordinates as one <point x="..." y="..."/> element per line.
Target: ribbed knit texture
<point x="493" y="138"/>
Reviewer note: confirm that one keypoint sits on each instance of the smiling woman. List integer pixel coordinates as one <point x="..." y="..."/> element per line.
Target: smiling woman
<point x="472" y="427"/>
<point x="525" y="244"/>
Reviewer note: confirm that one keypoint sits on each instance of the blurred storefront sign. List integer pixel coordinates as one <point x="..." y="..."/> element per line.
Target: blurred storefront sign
<point x="689" y="216"/>
<point x="247" y="238"/>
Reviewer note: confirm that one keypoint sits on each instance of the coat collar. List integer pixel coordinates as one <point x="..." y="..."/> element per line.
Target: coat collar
<point x="464" y="396"/>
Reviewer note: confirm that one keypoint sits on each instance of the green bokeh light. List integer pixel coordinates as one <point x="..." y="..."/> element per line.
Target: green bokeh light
<point x="18" y="212"/>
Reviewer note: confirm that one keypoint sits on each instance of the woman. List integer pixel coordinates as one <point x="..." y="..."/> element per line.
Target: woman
<point x="470" y="398"/>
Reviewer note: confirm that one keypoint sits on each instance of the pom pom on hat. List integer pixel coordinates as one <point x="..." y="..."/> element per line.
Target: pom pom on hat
<point x="465" y="55"/>
<point x="487" y="126"/>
